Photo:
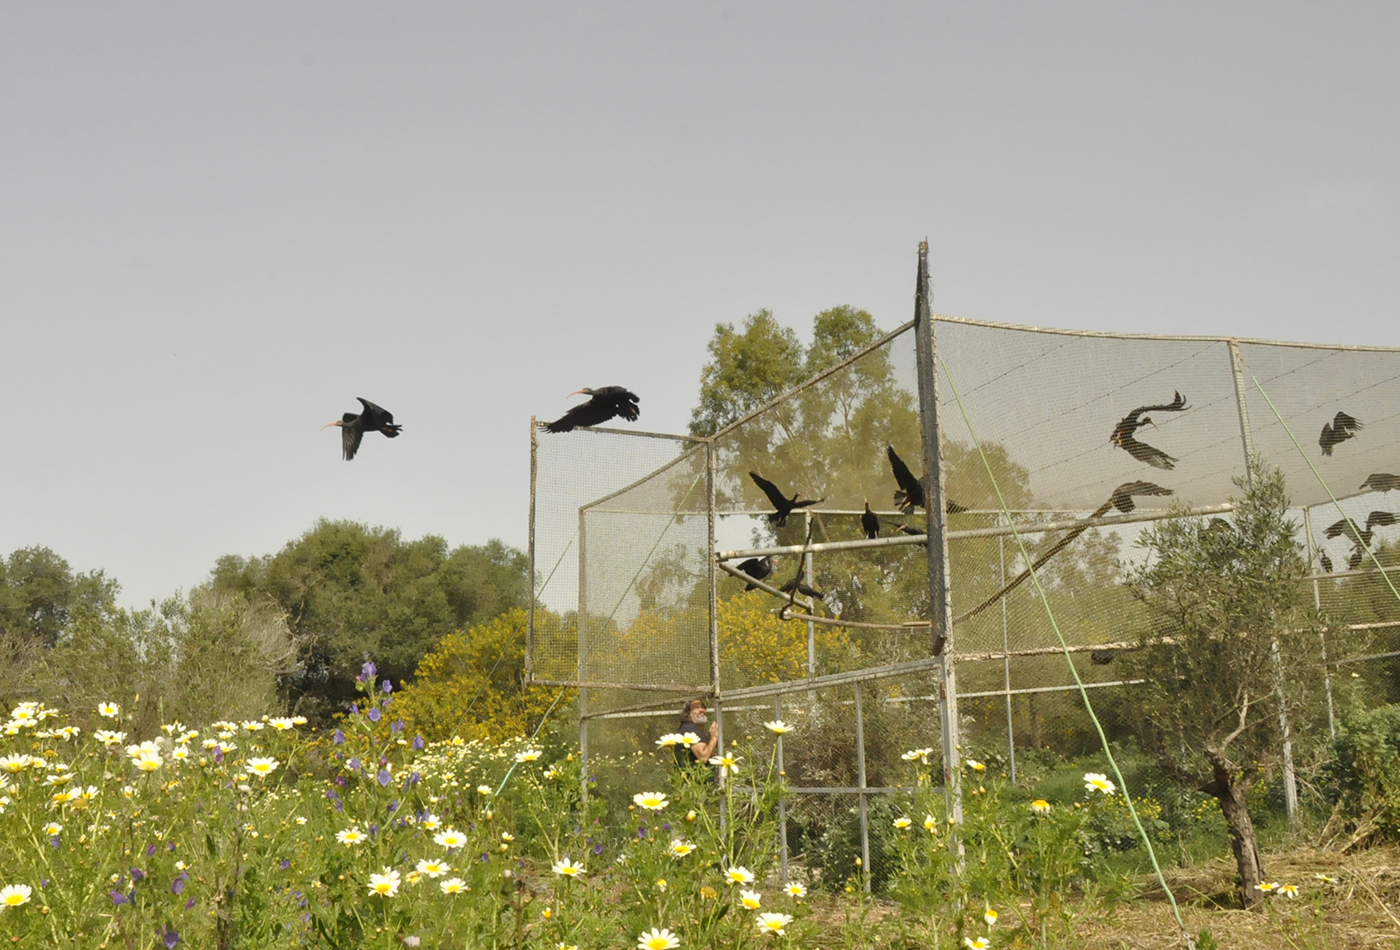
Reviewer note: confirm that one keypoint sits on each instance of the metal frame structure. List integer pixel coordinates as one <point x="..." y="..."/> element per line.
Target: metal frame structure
<point x="943" y="657"/>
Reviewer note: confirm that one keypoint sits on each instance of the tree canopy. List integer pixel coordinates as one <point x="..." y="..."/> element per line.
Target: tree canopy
<point x="354" y="593"/>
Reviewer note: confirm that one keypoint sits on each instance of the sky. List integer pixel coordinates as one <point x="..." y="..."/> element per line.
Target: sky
<point x="220" y="223"/>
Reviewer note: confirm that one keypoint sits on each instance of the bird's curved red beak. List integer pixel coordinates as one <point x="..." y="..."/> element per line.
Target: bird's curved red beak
<point x="335" y="423"/>
<point x="577" y="392"/>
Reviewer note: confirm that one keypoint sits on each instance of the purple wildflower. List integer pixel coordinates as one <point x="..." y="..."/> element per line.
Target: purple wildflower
<point x="374" y="714"/>
<point x="285" y="864"/>
<point x="383" y="777"/>
<point x="169" y="937"/>
<point x="354" y="709"/>
<point x="388" y="687"/>
<point x="338" y="737"/>
<point x="118" y="898"/>
<point x="189" y="903"/>
<point x="150" y="849"/>
<point x="396" y="726"/>
<point x="417" y="741"/>
<point x="368" y="670"/>
<point x="177" y="886"/>
<point x="137" y="874"/>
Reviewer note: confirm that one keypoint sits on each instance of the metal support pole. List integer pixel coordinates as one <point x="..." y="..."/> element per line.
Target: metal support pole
<point x="861" y="786"/>
<point x="1322" y="633"/>
<point x="940" y="605"/>
<point x="1006" y="664"/>
<point x="808" y="580"/>
<point x="583" y="647"/>
<point x="1290" y="775"/>
<point x="530" y="557"/>
<point x="782" y="800"/>
<point x="713" y="573"/>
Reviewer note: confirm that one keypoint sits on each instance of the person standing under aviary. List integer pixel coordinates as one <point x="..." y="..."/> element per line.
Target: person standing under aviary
<point x="696" y="750"/>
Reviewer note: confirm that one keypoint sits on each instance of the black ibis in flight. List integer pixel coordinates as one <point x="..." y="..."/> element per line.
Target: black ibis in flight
<point x="607" y="403"/>
<point x="783" y="506"/>
<point x="1124" y="432"/>
<point x="1122" y="497"/>
<point x="1343" y="427"/>
<point x="870" y="523"/>
<point x="758" y="568"/>
<point x="353" y="428"/>
<point x="910" y="493"/>
<point x="1348" y="527"/>
<point x="1381" y="481"/>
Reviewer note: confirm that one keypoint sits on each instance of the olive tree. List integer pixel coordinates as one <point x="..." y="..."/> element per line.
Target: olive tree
<point x="1228" y="653"/>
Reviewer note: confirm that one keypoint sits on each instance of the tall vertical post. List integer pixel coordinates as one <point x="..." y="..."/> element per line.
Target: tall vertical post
<point x="1006" y="662"/>
<point x="782" y="800"/>
<point x="1290" y="775"/>
<point x="936" y="542"/>
<point x="808" y="580"/>
<point x="530" y="556"/>
<point x="1322" y="633"/>
<point x="861" y="786"/>
<point x="713" y="571"/>
<point x="582" y="669"/>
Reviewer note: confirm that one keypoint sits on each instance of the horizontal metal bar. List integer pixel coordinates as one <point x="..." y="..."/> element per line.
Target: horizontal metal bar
<point x="658" y="713"/>
<point x="833" y="679"/>
<point x="990" y="532"/>
<point x="596" y="684"/>
<point x="1370" y="656"/>
<point x="1071" y="688"/>
<point x="1103" y="334"/>
<point x="1359" y="572"/>
<point x="639" y="433"/>
<point x="849" y="790"/>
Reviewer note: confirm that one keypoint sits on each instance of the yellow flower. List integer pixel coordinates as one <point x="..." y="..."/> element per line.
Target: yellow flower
<point x="772" y="923"/>
<point x="976" y="766"/>
<point x="671" y="739"/>
<point x="450" y="838"/>
<point x="1289" y="891"/>
<point x="777" y="727"/>
<point x="262" y="767"/>
<point x="661" y="884"/>
<point x="110" y="710"/>
<point x="930" y="824"/>
<point x="657" y="939"/>
<point x="652" y="801"/>
<point x="796" y="889"/>
<point x="901" y="823"/>
<point x="13" y="895"/>
<point x="1266" y="887"/>
<point x="453" y="885"/>
<point x="708" y="892"/>
<point x="528" y="755"/>
<point x="1098" y="782"/>
<point x="738" y="875"/>
<point x="680" y="848"/>
<point x="567" y="868"/>
<point x="1325" y="879"/>
<point x="433" y="867"/>
<point x="980" y="943"/>
<point x="350" y="836"/>
<point x="990" y="916"/>
<point x="1040" y="806"/>
<point x="385" y="884"/>
<point x="750" y="899"/>
<point x="726" y="763"/>
<point x="147" y="760"/>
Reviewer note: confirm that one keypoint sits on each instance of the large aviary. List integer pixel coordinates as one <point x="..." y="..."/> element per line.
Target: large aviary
<point x="1124" y="432"/>
<point x="607" y="403"/>
<point x="1343" y="427"/>
<point x="353" y="427"/>
<point x="783" y="506"/>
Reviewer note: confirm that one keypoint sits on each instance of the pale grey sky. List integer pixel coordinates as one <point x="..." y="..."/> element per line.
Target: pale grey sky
<point x="221" y="223"/>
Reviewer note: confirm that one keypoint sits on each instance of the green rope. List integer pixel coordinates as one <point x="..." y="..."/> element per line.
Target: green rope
<point x="627" y="590"/>
<point x="1084" y="693"/>
<point x="1384" y="576"/>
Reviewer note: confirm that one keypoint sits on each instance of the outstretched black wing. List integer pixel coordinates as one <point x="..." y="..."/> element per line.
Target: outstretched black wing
<point x="775" y="496"/>
<point x="1343" y="427"/>
<point x="1376" y="518"/>
<point x="377" y="419"/>
<point x="911" y="491"/>
<point x="619" y="401"/>
<point x="1381" y="481"/>
<point x="604" y="404"/>
<point x="1344" y="527"/>
<point x="1122" y="498"/>
<point x="350" y="435"/>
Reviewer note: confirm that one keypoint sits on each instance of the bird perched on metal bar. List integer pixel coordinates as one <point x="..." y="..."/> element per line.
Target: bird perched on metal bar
<point x="353" y="427"/>
<point x="609" y="402"/>
<point x="870" y="523"/>
<point x="758" y="568"/>
<point x="1343" y="427"/>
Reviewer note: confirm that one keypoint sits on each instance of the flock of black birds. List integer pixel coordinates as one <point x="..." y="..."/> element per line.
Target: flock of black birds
<point x="610" y="402"/>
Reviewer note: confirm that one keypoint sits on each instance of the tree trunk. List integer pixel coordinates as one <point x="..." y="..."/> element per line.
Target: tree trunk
<point x="1233" y="793"/>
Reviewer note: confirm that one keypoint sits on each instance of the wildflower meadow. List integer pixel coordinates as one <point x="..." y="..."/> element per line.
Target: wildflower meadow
<point x="266" y="833"/>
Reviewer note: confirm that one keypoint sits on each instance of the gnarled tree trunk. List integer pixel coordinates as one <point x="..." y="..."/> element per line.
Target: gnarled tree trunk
<point x="1232" y="792"/>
